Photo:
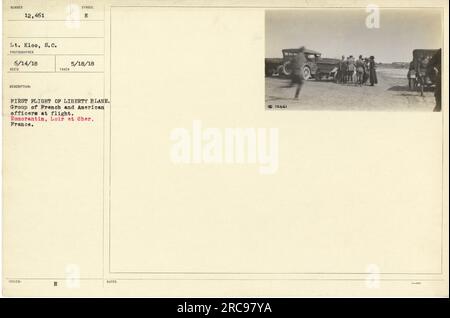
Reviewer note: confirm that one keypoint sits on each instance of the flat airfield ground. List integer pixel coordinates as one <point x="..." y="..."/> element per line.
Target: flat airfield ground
<point x="390" y="94"/>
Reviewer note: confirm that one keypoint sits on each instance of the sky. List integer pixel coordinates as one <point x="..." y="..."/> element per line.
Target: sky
<point x="337" y="32"/>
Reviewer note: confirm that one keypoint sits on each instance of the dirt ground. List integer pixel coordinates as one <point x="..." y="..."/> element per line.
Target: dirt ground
<point x="390" y="94"/>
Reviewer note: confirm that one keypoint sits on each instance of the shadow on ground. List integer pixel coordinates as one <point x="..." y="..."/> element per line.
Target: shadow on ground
<point x="399" y="88"/>
<point x="402" y="88"/>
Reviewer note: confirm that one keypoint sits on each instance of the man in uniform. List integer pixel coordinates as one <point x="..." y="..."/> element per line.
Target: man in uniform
<point x="297" y="71"/>
<point x="434" y="67"/>
<point x="342" y="70"/>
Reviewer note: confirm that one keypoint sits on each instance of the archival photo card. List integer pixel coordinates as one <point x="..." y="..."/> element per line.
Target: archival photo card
<point x="369" y="59"/>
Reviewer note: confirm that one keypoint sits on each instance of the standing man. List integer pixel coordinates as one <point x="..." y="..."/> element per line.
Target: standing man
<point x="366" y="70"/>
<point x="372" y="71"/>
<point x="297" y="71"/>
<point x="360" y="70"/>
<point x="351" y="68"/>
<point x="434" y="67"/>
<point x="342" y="70"/>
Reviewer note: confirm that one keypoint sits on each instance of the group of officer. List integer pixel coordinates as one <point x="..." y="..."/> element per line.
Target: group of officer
<point x="357" y="71"/>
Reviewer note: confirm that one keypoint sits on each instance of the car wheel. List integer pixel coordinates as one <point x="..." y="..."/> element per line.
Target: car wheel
<point x="306" y="73"/>
<point x="287" y="70"/>
<point x="279" y="70"/>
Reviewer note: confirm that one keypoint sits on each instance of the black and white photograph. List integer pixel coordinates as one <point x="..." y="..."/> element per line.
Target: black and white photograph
<point x="147" y="152"/>
<point x="367" y="59"/>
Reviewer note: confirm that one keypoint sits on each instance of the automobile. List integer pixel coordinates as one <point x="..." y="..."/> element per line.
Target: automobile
<point x="327" y="68"/>
<point x="419" y="76"/>
<point x="272" y="66"/>
<point x="315" y="65"/>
